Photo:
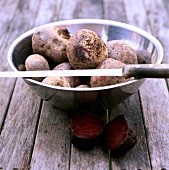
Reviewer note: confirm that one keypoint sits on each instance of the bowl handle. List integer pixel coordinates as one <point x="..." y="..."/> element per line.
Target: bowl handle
<point x="146" y="71"/>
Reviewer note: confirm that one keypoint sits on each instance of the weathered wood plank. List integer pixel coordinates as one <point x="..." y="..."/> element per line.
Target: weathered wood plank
<point x="52" y="144"/>
<point x="20" y="23"/>
<point x="48" y="12"/>
<point x="156" y="108"/>
<point x="114" y="10"/>
<point x="6" y="85"/>
<point x="159" y="22"/>
<point x="6" y="90"/>
<point x="8" y="36"/>
<point x="10" y="8"/>
<point x="158" y="16"/>
<point x="69" y="10"/>
<point x="89" y="8"/>
<point x="138" y="157"/>
<point x="19" y="128"/>
<point x="135" y="16"/>
<point x="154" y="105"/>
<point x="166" y="5"/>
<point x="95" y="159"/>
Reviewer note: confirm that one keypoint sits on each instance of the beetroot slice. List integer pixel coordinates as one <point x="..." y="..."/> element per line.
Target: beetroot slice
<point x="129" y="142"/>
<point x="87" y="126"/>
<point x="118" y="136"/>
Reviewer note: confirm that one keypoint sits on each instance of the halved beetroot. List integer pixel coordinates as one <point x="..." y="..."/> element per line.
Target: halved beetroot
<point x="85" y="130"/>
<point x="118" y="137"/>
<point x="87" y="126"/>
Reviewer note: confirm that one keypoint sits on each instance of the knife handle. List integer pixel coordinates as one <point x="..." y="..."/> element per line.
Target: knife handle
<point x="146" y="71"/>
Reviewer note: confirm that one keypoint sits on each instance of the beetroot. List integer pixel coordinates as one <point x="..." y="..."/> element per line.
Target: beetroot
<point x="118" y="137"/>
<point x="85" y="49"/>
<point x="121" y="51"/>
<point x="85" y="130"/>
<point x="51" y="42"/>
<point x="73" y="80"/>
<point x="109" y="63"/>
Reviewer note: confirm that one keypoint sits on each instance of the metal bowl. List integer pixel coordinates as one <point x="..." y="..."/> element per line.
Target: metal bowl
<point x="66" y="98"/>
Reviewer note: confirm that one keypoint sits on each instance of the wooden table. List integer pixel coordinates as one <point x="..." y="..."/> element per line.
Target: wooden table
<point x="35" y="135"/>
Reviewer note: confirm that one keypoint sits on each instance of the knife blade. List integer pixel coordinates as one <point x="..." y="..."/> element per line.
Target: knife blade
<point x="133" y="70"/>
<point x="46" y="73"/>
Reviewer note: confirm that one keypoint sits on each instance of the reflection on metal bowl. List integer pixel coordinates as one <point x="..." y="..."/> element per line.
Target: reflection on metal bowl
<point x="108" y="96"/>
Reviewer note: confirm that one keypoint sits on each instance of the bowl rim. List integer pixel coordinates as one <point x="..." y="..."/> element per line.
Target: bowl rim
<point x="86" y="21"/>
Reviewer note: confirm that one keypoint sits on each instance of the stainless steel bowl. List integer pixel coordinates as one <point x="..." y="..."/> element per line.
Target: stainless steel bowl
<point x="107" y="96"/>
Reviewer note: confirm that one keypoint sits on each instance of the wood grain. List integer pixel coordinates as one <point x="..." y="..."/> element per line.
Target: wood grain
<point x="159" y="22"/>
<point x="20" y="125"/>
<point x="152" y="88"/>
<point x="48" y="12"/>
<point x="52" y="145"/>
<point x="97" y="158"/>
<point x="158" y="17"/>
<point x="19" y="24"/>
<point x="156" y="121"/>
<point x="114" y="10"/>
<point x="138" y="157"/>
<point x="6" y="85"/>
<point x="19" y="128"/>
<point x="35" y="135"/>
<point x="69" y="10"/>
<point x="6" y="90"/>
<point x="137" y="17"/>
<point x="6" y="6"/>
<point x="89" y="8"/>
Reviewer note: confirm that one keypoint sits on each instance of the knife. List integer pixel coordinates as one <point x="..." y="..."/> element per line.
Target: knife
<point x="130" y="70"/>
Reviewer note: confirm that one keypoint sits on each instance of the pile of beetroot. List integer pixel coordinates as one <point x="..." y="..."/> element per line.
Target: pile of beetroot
<point x="54" y="48"/>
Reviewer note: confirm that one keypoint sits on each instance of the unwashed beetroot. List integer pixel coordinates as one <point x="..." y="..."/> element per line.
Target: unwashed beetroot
<point x="51" y="42"/>
<point x="85" y="49"/>
<point x="109" y="63"/>
<point x="85" y="130"/>
<point x="121" y="51"/>
<point x="118" y="137"/>
<point x="73" y="80"/>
